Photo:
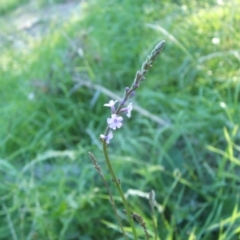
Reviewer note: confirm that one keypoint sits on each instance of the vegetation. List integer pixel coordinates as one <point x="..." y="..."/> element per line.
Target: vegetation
<point x="186" y="147"/>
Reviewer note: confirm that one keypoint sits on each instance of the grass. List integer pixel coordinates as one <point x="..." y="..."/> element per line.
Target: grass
<point x="49" y="189"/>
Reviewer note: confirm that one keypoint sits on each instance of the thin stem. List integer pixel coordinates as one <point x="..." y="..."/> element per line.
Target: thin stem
<point x="116" y="181"/>
<point x="154" y="225"/>
<point x="94" y="161"/>
<point x="152" y="202"/>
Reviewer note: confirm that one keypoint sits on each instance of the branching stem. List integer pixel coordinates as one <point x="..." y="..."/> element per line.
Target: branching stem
<point x="116" y="182"/>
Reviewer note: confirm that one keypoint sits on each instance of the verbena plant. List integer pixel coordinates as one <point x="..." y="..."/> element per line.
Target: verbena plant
<point x="115" y="122"/>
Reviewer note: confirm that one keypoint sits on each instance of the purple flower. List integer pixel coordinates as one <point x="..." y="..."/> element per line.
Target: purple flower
<point x="107" y="138"/>
<point x="115" y="121"/>
<point x="128" y="110"/>
<point x="111" y="105"/>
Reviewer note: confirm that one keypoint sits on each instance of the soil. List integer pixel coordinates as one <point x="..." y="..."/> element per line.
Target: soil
<point x="34" y="21"/>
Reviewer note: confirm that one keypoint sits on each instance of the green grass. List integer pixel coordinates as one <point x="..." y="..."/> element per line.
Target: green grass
<point x="50" y="190"/>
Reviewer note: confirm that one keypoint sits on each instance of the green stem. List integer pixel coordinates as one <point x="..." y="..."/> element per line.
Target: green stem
<point x="119" y="190"/>
<point x="97" y="167"/>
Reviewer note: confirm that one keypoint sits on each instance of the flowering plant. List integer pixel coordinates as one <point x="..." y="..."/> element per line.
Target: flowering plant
<point x="115" y="122"/>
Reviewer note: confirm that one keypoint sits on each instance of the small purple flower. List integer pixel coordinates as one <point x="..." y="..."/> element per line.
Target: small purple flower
<point x="115" y="121"/>
<point x="111" y="105"/>
<point x="128" y="110"/>
<point x="107" y="138"/>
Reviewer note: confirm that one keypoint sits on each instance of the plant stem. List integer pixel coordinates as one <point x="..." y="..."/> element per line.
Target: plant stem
<point x="116" y="181"/>
<point x="97" y="167"/>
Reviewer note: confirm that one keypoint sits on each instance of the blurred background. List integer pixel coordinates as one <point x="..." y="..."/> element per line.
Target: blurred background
<point x="61" y="60"/>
